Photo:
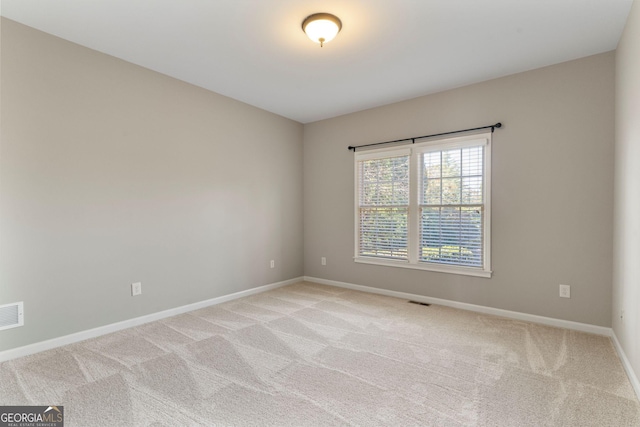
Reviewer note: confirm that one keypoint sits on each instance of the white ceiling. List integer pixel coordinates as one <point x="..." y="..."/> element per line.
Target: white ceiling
<point x="388" y="50"/>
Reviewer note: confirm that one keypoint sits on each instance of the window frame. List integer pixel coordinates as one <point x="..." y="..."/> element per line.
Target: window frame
<point x="413" y="233"/>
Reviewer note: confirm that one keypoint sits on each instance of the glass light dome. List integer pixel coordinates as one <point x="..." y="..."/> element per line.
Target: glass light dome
<point x="321" y="27"/>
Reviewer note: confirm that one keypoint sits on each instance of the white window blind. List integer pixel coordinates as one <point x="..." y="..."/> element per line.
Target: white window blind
<point x="452" y="206"/>
<point x="384" y="207"/>
<point x="426" y="207"/>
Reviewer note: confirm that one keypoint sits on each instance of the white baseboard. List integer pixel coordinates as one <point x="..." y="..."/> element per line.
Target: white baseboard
<point x="633" y="378"/>
<point x="567" y="324"/>
<point x="114" y="327"/>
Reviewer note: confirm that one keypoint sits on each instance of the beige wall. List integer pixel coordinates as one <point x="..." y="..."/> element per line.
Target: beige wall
<point x="626" y="272"/>
<point x="112" y="174"/>
<point x="552" y="189"/>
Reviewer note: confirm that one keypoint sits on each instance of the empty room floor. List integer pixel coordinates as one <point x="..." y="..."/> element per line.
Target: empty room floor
<point x="309" y="354"/>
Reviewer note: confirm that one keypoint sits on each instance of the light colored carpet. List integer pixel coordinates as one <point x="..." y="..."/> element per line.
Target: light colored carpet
<point x="309" y="354"/>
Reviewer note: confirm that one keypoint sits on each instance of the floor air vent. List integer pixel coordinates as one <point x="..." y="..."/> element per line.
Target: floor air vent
<point x="419" y="303"/>
<point x="11" y="315"/>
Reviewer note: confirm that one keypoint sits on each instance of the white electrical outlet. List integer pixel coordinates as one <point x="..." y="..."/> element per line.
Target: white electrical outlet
<point x="136" y="289"/>
<point x="565" y="291"/>
<point x="323" y="261"/>
<point x="273" y="264"/>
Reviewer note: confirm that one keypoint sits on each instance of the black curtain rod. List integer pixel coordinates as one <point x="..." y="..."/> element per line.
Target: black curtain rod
<point x="413" y="140"/>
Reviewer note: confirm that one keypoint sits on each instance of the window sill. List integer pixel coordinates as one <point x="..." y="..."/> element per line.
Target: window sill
<point x="466" y="271"/>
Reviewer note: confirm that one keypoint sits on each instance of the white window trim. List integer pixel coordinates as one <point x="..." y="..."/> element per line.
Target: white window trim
<point x="413" y="239"/>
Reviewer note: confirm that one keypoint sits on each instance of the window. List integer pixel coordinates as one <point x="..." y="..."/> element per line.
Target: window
<point x="426" y="206"/>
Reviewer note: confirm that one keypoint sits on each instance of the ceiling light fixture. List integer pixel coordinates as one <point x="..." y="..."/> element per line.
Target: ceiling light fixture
<point x="321" y="27"/>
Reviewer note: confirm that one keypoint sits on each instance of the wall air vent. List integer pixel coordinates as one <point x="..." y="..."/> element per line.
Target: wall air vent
<point x="419" y="303"/>
<point x="11" y="315"/>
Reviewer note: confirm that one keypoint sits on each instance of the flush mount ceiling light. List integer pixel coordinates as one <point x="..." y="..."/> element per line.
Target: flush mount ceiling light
<point x="321" y="27"/>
